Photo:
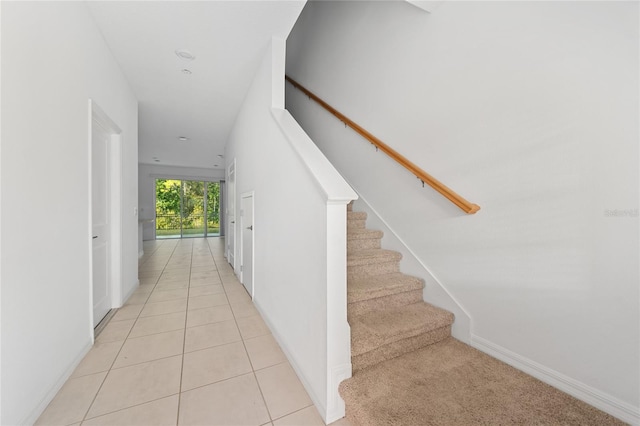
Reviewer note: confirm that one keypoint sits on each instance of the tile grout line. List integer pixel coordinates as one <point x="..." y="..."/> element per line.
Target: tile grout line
<point x="225" y="289"/>
<point x="286" y="361"/>
<point x="242" y="339"/>
<point x="293" y="412"/>
<point x="210" y="258"/>
<point x="233" y="377"/>
<point x="143" y="306"/>
<point x="125" y="408"/>
<point x="184" y="339"/>
<point x="114" y="360"/>
<point x="253" y="371"/>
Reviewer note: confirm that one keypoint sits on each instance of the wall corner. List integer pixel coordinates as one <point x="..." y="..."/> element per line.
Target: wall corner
<point x="278" y="61"/>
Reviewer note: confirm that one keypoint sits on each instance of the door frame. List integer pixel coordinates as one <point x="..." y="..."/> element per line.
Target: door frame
<point x="223" y="207"/>
<point x="249" y="194"/>
<point x="114" y="165"/>
<point x="231" y="224"/>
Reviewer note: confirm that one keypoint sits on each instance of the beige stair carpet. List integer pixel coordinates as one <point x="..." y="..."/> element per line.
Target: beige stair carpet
<point x="450" y="383"/>
<point x="386" y="311"/>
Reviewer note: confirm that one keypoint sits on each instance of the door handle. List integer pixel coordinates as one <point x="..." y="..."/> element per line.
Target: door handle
<point x="250" y="228"/>
<point x="94" y="237"/>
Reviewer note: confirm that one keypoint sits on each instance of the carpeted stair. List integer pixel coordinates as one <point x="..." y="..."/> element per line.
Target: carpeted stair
<point x="409" y="371"/>
<point x="387" y="314"/>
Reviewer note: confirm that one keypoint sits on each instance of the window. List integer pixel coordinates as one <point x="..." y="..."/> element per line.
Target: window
<point x="186" y="208"/>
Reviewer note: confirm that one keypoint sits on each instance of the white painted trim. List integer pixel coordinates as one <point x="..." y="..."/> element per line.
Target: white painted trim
<point x="130" y="293"/>
<point x="248" y="194"/>
<point x="460" y="331"/>
<point x="101" y="117"/>
<point x="336" y="406"/>
<point x="46" y="400"/>
<point x="90" y="324"/>
<point x="607" y="403"/>
<point x="231" y="201"/>
<point x="115" y="206"/>
<point x="1" y="352"/>
<point x="329" y="181"/>
<point x="314" y="398"/>
<point x="115" y="218"/>
<point x="180" y="177"/>
<point x="338" y="329"/>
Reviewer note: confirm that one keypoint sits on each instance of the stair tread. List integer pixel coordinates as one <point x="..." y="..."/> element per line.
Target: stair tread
<point x="362" y="257"/>
<point x="378" y="328"/>
<point x="363" y="233"/>
<point x="371" y="287"/>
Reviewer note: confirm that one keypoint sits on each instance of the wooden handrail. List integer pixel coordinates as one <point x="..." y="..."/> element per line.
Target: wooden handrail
<point x="425" y="177"/>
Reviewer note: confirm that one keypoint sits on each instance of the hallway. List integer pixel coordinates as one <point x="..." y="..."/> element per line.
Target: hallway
<point x="188" y="348"/>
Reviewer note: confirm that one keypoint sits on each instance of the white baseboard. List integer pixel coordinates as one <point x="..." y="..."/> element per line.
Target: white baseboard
<point x="37" y="412"/>
<point x="607" y="403"/>
<point x="314" y="398"/>
<point x="129" y="294"/>
<point x="412" y="264"/>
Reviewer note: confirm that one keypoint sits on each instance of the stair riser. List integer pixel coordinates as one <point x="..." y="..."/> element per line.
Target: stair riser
<point x="370" y="269"/>
<point x="385" y="302"/>
<point x="398" y="348"/>
<point x="363" y="244"/>
<point x="356" y="223"/>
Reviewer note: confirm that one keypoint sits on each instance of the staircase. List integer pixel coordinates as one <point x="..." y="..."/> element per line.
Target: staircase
<point x="387" y="314"/>
<point x="409" y="371"/>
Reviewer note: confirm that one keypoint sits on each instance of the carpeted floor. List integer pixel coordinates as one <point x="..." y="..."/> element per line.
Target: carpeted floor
<point x="450" y="383"/>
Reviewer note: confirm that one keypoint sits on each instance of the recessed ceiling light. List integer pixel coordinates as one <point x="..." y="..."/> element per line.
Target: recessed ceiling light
<point x="215" y="165"/>
<point x="220" y="155"/>
<point x="183" y="138"/>
<point x="156" y="160"/>
<point x="185" y="54"/>
<point x="186" y="71"/>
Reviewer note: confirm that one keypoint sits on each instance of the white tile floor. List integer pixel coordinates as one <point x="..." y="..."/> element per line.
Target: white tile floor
<point x="188" y="348"/>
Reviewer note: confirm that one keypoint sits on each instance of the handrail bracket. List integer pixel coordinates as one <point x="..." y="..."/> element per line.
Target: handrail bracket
<point x="423" y="176"/>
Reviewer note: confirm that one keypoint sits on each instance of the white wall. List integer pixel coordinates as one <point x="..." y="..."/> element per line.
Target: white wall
<point x="529" y="110"/>
<point x="147" y="175"/>
<point x="300" y="235"/>
<point x="53" y="61"/>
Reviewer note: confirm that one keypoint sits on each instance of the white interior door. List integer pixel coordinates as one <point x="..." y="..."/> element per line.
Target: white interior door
<point x="100" y="221"/>
<point x="230" y="238"/>
<point x="246" y="265"/>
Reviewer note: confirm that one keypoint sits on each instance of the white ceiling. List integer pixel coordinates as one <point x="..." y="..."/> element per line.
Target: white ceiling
<point x="228" y="39"/>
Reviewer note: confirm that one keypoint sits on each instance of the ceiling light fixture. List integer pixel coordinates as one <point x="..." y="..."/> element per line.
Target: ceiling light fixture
<point x="220" y="155"/>
<point x="185" y="54"/>
<point x="186" y="71"/>
<point x="183" y="138"/>
<point x="156" y="160"/>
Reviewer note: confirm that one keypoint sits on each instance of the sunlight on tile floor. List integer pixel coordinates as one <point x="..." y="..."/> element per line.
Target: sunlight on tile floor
<point x="188" y="348"/>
